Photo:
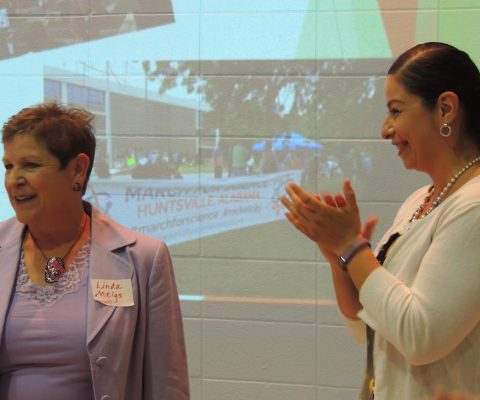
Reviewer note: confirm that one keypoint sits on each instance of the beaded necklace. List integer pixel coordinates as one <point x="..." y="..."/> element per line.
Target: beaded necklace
<point x="418" y="212"/>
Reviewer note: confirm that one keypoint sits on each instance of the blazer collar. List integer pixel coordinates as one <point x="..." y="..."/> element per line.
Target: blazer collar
<point x="105" y="263"/>
<point x="106" y="232"/>
<point x="107" y="237"/>
<point x="10" y="244"/>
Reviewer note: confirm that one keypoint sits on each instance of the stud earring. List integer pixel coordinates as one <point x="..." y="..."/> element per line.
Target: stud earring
<point x="445" y="130"/>
<point x="76" y="187"/>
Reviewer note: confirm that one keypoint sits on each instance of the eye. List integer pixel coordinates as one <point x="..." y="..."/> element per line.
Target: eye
<point x="30" y="165"/>
<point x="7" y="166"/>
<point x="393" y="112"/>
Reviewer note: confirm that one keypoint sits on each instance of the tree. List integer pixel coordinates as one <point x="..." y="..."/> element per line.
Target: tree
<point x="306" y="96"/>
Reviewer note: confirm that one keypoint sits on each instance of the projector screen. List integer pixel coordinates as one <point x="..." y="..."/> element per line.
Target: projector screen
<point x="203" y="114"/>
<point x="32" y="26"/>
<point x="204" y="110"/>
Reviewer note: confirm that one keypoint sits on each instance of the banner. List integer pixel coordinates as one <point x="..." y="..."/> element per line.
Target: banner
<point x="187" y="209"/>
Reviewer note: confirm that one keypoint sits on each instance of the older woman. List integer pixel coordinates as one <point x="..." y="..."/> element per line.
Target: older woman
<point x="88" y="308"/>
<point x="422" y="304"/>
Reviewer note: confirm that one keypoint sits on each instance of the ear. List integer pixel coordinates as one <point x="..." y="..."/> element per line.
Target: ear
<point x="81" y="163"/>
<point x="449" y="107"/>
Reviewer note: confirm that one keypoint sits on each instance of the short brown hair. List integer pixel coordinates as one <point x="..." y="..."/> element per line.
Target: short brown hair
<point x="66" y="131"/>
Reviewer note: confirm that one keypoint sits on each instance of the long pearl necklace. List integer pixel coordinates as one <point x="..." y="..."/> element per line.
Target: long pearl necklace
<point x="418" y="213"/>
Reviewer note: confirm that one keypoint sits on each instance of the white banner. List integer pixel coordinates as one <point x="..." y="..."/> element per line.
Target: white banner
<point x="181" y="210"/>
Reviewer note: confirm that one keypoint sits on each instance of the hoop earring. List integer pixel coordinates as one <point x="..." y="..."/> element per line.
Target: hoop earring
<point x="445" y="130"/>
<point x="76" y="187"/>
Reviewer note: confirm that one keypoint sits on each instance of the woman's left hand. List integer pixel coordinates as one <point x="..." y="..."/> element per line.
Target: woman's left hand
<point x="332" y="222"/>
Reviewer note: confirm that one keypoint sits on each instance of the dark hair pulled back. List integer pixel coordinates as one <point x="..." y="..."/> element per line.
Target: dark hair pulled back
<point x="429" y="69"/>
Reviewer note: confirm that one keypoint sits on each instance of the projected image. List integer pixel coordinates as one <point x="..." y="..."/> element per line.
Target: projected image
<point x="217" y="159"/>
<point x="57" y="23"/>
<point x="198" y="136"/>
<point x="202" y="119"/>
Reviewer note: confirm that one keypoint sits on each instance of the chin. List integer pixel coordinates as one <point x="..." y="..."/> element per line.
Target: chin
<point x="409" y="163"/>
<point x="21" y="218"/>
<point x="24" y="218"/>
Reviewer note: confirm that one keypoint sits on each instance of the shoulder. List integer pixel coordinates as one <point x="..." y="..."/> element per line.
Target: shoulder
<point x="10" y="231"/>
<point x="115" y="237"/>
<point x="464" y="203"/>
<point x="8" y="224"/>
<point x="469" y="192"/>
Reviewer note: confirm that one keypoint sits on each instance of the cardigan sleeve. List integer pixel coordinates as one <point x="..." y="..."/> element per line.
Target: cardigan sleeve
<point x="426" y="320"/>
<point x="357" y="328"/>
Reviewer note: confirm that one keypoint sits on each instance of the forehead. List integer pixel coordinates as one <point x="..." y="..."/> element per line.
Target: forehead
<point x="393" y="88"/>
<point x="395" y="91"/>
<point x="22" y="144"/>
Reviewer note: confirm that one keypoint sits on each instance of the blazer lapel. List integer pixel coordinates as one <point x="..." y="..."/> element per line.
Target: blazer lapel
<point x="10" y="244"/>
<point x="107" y="236"/>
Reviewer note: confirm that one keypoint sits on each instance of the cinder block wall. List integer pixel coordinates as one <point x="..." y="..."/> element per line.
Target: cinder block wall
<point x="259" y="310"/>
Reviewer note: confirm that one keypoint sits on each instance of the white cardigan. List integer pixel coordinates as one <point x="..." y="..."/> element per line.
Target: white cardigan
<point x="424" y="304"/>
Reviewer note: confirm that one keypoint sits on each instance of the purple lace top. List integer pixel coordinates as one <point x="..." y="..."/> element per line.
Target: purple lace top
<point x="43" y="349"/>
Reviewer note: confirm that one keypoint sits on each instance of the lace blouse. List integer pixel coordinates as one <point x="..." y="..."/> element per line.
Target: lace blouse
<point x="43" y="351"/>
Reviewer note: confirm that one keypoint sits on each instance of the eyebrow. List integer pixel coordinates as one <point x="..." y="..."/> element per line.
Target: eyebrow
<point x="389" y="104"/>
<point x="29" y="157"/>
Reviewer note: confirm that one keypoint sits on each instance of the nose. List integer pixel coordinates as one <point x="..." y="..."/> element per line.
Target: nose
<point x="387" y="130"/>
<point x="14" y="177"/>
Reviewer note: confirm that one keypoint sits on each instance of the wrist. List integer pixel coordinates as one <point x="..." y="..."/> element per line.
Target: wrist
<point x="358" y="244"/>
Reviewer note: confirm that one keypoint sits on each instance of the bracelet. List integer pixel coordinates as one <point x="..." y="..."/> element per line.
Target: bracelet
<point x="344" y="258"/>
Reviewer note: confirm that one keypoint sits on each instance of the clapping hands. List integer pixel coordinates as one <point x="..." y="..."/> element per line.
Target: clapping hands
<point x="332" y="221"/>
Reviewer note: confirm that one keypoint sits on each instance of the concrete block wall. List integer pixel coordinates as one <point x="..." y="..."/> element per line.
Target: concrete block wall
<point x="259" y="311"/>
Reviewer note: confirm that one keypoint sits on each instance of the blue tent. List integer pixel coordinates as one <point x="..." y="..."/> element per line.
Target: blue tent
<point x="259" y="146"/>
<point x="293" y="141"/>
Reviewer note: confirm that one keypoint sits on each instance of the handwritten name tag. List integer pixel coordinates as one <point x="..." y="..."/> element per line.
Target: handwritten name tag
<point x="113" y="292"/>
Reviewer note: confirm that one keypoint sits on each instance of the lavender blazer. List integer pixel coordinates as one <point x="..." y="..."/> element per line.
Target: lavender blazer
<point x="136" y="352"/>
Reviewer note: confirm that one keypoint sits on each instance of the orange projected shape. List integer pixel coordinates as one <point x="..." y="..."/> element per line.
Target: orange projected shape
<point x="399" y="19"/>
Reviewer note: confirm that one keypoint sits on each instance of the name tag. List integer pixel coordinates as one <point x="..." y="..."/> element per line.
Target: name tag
<point x="113" y="292"/>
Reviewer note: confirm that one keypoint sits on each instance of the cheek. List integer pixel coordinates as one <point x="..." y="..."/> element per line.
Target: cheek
<point x="408" y="130"/>
<point x="57" y="188"/>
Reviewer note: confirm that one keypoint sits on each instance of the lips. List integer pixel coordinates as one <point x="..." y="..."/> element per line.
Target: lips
<point x="23" y="198"/>
<point x="400" y="146"/>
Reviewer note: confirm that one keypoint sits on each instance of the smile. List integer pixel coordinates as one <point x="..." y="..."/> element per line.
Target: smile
<point x="401" y="146"/>
<point x="21" y="199"/>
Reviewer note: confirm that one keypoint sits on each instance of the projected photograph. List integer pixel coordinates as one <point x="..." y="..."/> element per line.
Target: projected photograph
<point x="203" y="112"/>
<point x="57" y="23"/>
<point x="197" y="137"/>
<point x="218" y="159"/>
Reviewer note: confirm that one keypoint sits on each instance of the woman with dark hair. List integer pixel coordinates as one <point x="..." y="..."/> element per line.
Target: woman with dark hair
<point x="88" y="308"/>
<point x="415" y="299"/>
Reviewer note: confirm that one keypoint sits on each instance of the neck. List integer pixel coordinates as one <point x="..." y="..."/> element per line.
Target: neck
<point x="448" y="171"/>
<point x="51" y="236"/>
